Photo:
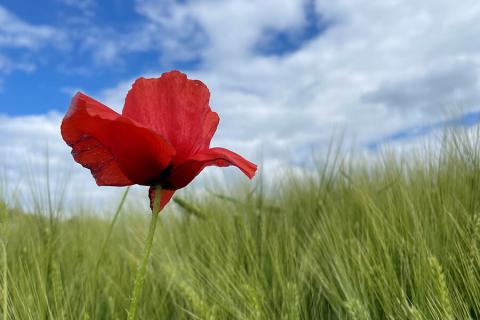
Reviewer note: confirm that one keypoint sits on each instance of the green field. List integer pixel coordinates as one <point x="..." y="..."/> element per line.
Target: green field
<point x="392" y="238"/>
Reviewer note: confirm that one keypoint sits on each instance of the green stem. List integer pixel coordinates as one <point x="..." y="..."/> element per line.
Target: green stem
<point x="5" y="283"/>
<point x="104" y="246"/>
<point x="110" y="230"/>
<point x="140" y="277"/>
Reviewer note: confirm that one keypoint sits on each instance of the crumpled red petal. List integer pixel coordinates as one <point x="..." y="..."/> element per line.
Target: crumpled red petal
<point x="117" y="151"/>
<point x="166" y="195"/>
<point x="220" y="157"/>
<point x="177" y="109"/>
<point x="93" y="155"/>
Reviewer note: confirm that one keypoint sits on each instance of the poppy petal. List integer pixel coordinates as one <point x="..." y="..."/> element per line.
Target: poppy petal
<point x="117" y="151"/>
<point x="177" y="109"/>
<point x="166" y="195"/>
<point x="93" y="155"/>
<point x="187" y="171"/>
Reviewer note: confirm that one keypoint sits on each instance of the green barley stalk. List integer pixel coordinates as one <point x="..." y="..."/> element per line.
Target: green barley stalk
<point x="5" y="282"/>
<point x="356" y="310"/>
<point x="189" y="208"/>
<point x="110" y="231"/>
<point x="442" y="289"/>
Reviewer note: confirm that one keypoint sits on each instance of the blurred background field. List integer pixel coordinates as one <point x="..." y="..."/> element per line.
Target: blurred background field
<point x="396" y="237"/>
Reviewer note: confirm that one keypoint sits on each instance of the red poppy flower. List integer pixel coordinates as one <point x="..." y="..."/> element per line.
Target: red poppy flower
<point x="162" y="138"/>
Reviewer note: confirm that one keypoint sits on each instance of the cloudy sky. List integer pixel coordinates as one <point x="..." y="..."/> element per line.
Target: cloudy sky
<point x="285" y="75"/>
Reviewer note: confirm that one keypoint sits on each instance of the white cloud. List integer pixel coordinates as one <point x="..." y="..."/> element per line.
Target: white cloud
<point x="324" y="85"/>
<point x="7" y="65"/>
<point x="16" y="33"/>
<point x="232" y="27"/>
<point x="24" y="38"/>
<point x="378" y="68"/>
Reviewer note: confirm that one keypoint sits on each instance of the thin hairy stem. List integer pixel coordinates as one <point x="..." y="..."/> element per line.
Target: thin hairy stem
<point x="140" y="277"/>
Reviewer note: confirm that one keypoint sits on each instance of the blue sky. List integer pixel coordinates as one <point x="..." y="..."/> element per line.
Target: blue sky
<point x="285" y="75"/>
<point x="59" y="70"/>
<point x="65" y="62"/>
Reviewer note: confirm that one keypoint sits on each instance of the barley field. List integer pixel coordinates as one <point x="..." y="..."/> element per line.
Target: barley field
<point x="396" y="237"/>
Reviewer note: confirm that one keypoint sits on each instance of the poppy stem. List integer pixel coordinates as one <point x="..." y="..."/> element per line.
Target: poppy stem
<point x="140" y="277"/>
